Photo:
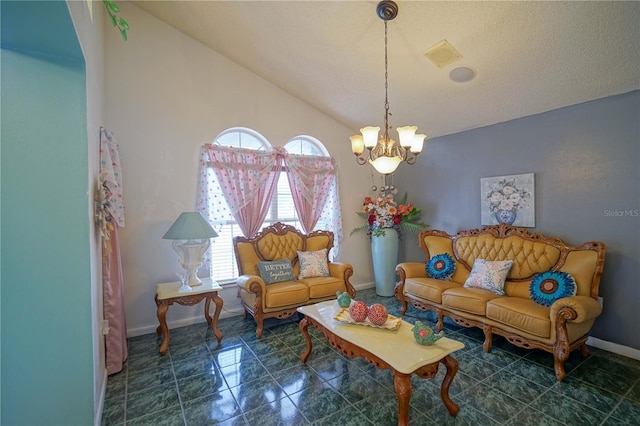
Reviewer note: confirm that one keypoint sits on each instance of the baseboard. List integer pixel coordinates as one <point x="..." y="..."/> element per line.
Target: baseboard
<point x="139" y="331"/>
<point x="97" y="420"/>
<point x="364" y="286"/>
<point x="226" y="313"/>
<point x="614" y="347"/>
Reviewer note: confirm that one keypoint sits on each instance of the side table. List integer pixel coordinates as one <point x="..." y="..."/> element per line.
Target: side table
<point x="167" y="294"/>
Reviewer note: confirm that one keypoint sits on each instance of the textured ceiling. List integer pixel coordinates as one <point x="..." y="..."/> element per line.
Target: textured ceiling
<point x="530" y="57"/>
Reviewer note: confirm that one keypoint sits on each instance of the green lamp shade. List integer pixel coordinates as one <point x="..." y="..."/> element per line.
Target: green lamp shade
<point x="190" y="226"/>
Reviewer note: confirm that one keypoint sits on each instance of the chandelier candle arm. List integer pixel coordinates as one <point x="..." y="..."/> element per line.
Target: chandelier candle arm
<point x="384" y="153"/>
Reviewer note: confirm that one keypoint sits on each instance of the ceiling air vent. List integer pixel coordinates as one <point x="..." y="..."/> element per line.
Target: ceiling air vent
<point x="442" y="54"/>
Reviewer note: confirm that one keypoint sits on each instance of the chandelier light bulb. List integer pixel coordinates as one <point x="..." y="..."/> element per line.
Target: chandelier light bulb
<point x="370" y="136"/>
<point x="418" y="143"/>
<point x="406" y="135"/>
<point x="357" y="144"/>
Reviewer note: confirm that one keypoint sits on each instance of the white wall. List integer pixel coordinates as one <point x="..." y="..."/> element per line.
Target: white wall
<point x="166" y="95"/>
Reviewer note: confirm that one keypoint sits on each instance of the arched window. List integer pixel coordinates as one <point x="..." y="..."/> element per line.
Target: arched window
<point x="223" y="265"/>
<point x="306" y="145"/>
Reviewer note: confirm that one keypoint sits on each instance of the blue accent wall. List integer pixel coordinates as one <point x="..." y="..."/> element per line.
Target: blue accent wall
<point x="47" y="358"/>
<point x="586" y="161"/>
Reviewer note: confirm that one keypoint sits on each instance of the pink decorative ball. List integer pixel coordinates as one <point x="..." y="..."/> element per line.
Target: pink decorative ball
<point x="378" y="314"/>
<point x="358" y="311"/>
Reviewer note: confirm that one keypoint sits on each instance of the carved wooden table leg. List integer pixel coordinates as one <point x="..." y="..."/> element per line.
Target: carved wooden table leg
<point x="216" y="315"/>
<point x="402" y="384"/>
<point x="452" y="368"/>
<point x="163" y="306"/>
<point x="304" y="328"/>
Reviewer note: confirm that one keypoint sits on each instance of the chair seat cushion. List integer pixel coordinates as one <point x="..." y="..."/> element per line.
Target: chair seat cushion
<point x="286" y="293"/>
<point x="428" y="288"/>
<point x="523" y="314"/>
<point x="472" y="300"/>
<point x="320" y="287"/>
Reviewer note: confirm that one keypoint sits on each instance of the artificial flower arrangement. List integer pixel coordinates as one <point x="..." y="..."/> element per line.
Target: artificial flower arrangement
<point x="505" y="195"/>
<point x="383" y="212"/>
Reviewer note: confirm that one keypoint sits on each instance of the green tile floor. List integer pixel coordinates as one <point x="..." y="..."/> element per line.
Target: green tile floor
<point x="246" y="381"/>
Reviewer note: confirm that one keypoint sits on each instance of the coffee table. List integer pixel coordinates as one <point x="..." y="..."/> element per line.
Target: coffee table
<point x="395" y="350"/>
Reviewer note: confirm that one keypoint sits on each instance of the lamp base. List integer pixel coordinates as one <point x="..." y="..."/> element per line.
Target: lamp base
<point x="193" y="280"/>
<point x="191" y="252"/>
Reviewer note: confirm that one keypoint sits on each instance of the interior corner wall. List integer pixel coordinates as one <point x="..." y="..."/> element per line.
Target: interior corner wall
<point x="586" y="161"/>
<point x="166" y="96"/>
<point x="88" y="20"/>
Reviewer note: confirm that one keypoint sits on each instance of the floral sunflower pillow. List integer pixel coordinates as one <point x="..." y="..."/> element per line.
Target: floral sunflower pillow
<point x="441" y="267"/>
<point x="549" y="286"/>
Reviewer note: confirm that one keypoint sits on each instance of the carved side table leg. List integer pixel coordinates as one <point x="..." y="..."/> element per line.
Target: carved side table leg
<point x="163" y="306"/>
<point x="304" y="328"/>
<point x="452" y="368"/>
<point x="402" y="384"/>
<point x="214" y="324"/>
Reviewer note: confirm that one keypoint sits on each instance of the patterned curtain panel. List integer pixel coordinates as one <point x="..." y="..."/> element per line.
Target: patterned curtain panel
<point x="247" y="179"/>
<point x="314" y="183"/>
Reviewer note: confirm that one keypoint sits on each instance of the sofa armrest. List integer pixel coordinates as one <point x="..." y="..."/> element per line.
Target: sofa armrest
<point x="343" y="271"/>
<point x="252" y="284"/>
<point x="411" y="270"/>
<point x="338" y="270"/>
<point x="585" y="308"/>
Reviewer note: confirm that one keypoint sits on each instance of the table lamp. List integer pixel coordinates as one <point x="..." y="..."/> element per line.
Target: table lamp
<point x="191" y="235"/>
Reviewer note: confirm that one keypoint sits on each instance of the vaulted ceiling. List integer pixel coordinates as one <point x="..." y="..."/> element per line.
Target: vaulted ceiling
<point x="529" y="56"/>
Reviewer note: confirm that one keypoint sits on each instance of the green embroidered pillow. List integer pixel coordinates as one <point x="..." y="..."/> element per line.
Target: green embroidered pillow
<point x="276" y="271"/>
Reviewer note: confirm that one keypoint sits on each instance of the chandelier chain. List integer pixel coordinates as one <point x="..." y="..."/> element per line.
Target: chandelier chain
<point x="386" y="86"/>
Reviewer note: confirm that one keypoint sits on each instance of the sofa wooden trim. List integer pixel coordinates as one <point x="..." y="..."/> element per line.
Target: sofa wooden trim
<point x="584" y="308"/>
<point x="255" y="285"/>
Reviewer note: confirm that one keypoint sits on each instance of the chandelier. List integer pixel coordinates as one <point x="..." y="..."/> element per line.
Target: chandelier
<point x="384" y="153"/>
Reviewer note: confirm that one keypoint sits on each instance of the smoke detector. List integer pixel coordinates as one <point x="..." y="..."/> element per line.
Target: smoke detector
<point x="442" y="54"/>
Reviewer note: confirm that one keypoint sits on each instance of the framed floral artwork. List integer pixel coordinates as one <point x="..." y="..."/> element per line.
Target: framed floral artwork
<point x="509" y="199"/>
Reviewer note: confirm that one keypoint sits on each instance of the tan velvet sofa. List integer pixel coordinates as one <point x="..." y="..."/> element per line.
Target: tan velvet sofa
<point x="559" y="328"/>
<point x="281" y="299"/>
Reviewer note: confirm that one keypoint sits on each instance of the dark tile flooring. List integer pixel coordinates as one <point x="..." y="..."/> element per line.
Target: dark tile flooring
<point x="246" y="381"/>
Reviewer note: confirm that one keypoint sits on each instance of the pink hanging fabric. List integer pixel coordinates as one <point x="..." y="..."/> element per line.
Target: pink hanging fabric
<point x="313" y="177"/>
<point x="248" y="180"/>
<point x="110" y="216"/>
<point x="310" y="180"/>
<point x="113" y="294"/>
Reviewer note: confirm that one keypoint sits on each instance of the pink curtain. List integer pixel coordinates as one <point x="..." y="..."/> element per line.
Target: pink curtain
<point x="310" y="180"/>
<point x="113" y="295"/>
<point x="110" y="216"/>
<point x="248" y="179"/>
<point x="314" y="186"/>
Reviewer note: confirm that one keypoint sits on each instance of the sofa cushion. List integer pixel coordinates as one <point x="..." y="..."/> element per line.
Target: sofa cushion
<point x="313" y="264"/>
<point x="523" y="314"/>
<point x="473" y="300"/>
<point x="549" y="286"/>
<point x="489" y="275"/>
<point x="320" y="287"/>
<point x="286" y="293"/>
<point x="276" y="271"/>
<point x="428" y="288"/>
<point x="441" y="267"/>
